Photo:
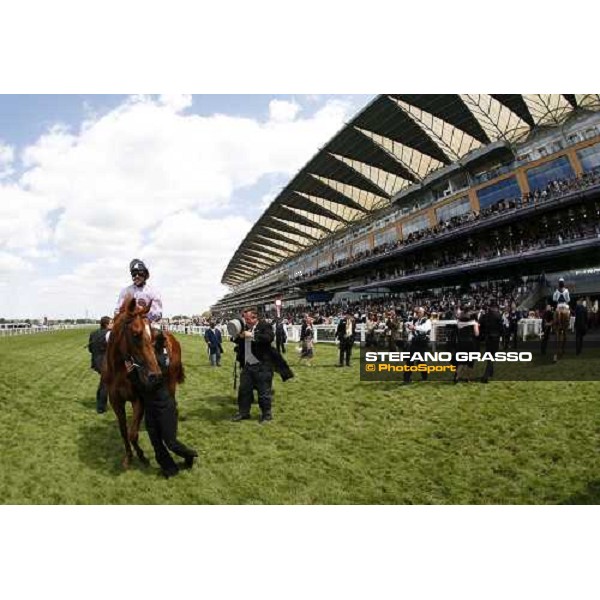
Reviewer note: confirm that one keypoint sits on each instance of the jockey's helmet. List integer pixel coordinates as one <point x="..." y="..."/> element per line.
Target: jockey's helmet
<point x="138" y="265"/>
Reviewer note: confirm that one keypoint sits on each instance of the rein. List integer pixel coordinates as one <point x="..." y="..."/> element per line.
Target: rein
<point x="128" y="357"/>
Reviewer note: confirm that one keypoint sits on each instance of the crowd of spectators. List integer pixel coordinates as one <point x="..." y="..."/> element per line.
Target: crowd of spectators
<point x="441" y="303"/>
<point x="384" y="316"/>
<point x="553" y="189"/>
<point x="554" y="230"/>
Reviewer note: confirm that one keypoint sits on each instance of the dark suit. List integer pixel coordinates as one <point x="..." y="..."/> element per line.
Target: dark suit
<point x="491" y="331"/>
<point x="581" y="318"/>
<point x="280" y="337"/>
<point x="259" y="376"/>
<point x="97" y="348"/>
<point x="346" y="342"/>
<point x="547" y="322"/>
<point x="160" y="418"/>
<point x="213" y="339"/>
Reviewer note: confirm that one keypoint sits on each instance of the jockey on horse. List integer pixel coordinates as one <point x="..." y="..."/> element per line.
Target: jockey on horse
<point x="157" y="399"/>
<point x="146" y="295"/>
<point x="561" y="298"/>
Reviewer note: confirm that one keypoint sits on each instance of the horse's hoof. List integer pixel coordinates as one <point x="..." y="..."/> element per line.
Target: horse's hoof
<point x="126" y="462"/>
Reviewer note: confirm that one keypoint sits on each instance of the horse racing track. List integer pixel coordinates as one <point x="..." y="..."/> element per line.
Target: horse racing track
<point x="334" y="439"/>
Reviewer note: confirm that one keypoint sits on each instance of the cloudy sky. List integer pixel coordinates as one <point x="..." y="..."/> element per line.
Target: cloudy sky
<point x="89" y="182"/>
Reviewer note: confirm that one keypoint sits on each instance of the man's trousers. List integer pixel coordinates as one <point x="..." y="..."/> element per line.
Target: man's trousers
<point x="160" y="415"/>
<point x="257" y="377"/>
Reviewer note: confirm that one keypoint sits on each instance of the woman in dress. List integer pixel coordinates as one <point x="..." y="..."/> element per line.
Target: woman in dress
<point x="307" y="352"/>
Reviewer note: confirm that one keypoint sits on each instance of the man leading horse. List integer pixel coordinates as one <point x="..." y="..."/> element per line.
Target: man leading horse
<point x="144" y="367"/>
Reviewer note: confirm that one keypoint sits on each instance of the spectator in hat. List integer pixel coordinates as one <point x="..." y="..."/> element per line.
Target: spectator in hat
<point x="345" y="334"/>
<point x="213" y="339"/>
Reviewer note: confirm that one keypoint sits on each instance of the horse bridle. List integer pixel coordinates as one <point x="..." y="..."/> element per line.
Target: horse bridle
<point x="131" y="341"/>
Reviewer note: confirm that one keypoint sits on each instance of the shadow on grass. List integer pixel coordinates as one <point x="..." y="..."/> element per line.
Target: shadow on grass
<point x="214" y="409"/>
<point x="101" y="448"/>
<point x="589" y="495"/>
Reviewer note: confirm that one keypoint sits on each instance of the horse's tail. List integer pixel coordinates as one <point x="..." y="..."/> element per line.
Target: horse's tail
<point x="180" y="374"/>
<point x="177" y="371"/>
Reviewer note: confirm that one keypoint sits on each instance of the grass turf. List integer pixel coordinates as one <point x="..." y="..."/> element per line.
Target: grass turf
<point x="334" y="440"/>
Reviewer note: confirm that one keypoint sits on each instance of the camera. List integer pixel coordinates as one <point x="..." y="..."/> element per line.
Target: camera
<point x="235" y="327"/>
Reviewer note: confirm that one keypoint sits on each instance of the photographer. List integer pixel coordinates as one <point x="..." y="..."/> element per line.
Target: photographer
<point x="258" y="359"/>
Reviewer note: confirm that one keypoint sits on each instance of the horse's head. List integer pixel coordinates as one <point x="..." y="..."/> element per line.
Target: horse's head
<point x="131" y="341"/>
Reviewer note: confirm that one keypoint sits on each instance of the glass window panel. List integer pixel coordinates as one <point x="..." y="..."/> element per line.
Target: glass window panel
<point x="507" y="189"/>
<point x="454" y="209"/>
<point x="559" y="168"/>
<point x="415" y="224"/>
<point x="361" y="246"/>
<point x="386" y="237"/>
<point x="340" y="254"/>
<point x="589" y="157"/>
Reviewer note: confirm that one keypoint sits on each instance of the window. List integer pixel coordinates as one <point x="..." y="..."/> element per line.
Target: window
<point x="454" y="209"/>
<point x="590" y="133"/>
<point x="543" y="151"/>
<point x="324" y="260"/>
<point x="589" y="157"/>
<point x="557" y="146"/>
<point x="360" y="246"/>
<point x="340" y="254"/>
<point x="559" y="168"/>
<point x="415" y="224"/>
<point x="573" y="138"/>
<point x="389" y="236"/>
<point x="311" y="266"/>
<point x="507" y="189"/>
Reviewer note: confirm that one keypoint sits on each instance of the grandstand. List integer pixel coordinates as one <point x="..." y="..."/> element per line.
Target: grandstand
<point x="427" y="191"/>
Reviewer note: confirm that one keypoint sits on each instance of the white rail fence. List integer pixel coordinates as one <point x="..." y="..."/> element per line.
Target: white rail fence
<point x="6" y="330"/>
<point x="325" y="334"/>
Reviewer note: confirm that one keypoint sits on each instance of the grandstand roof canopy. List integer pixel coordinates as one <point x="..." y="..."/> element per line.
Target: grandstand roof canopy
<point x="395" y="142"/>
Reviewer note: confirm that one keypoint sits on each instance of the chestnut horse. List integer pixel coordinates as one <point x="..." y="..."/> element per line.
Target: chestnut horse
<point x="562" y="320"/>
<point x="131" y="340"/>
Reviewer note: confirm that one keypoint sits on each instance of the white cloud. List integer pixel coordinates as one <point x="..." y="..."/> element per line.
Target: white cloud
<point x="23" y="223"/>
<point x="7" y="156"/>
<point x="10" y="263"/>
<point x="177" y="102"/>
<point x="266" y="200"/>
<point x="283" y="110"/>
<point x="148" y="179"/>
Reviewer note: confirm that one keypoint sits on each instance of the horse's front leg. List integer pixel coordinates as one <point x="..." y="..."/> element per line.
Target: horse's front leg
<point x="118" y="405"/>
<point x="134" y="431"/>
